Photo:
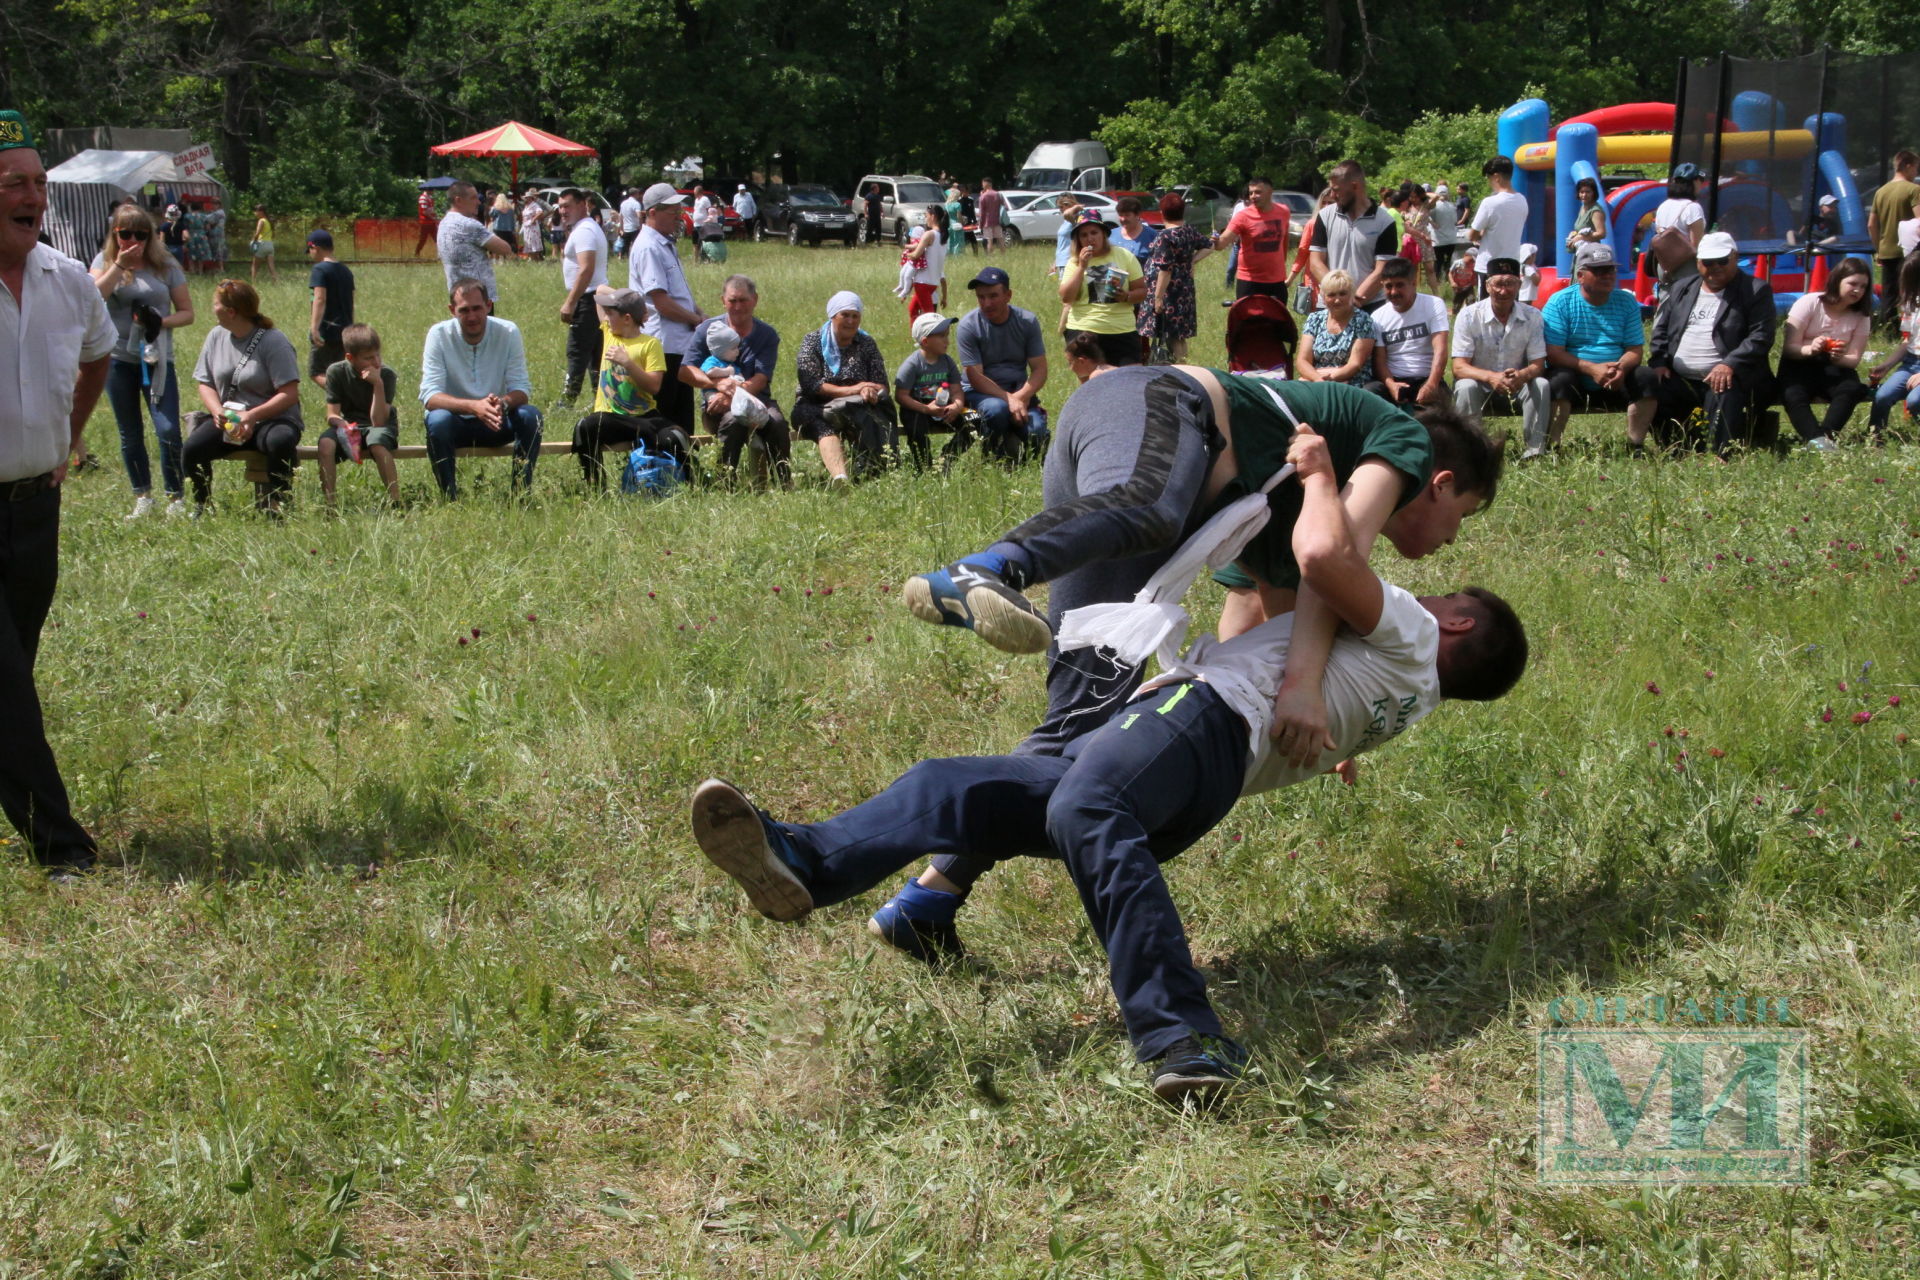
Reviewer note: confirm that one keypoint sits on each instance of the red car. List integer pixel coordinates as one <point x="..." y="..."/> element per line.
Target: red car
<point x="729" y="220"/>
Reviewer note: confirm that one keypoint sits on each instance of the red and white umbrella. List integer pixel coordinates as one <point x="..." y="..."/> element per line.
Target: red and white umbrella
<point x="514" y="140"/>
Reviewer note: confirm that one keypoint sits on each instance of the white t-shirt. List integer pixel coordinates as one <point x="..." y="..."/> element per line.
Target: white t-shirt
<point x="1501" y="221"/>
<point x="935" y="265"/>
<point x="1909" y="233"/>
<point x="702" y="211"/>
<point x="1375" y="686"/>
<point x="1678" y="213"/>
<point x="58" y="323"/>
<point x="1408" y="335"/>
<point x="1695" y="354"/>
<point x="629" y="216"/>
<point x="586" y="237"/>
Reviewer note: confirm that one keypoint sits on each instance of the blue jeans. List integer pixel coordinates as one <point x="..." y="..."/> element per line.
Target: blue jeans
<point x="1121" y="800"/>
<point x="125" y="393"/>
<point x="999" y="432"/>
<point x="1902" y="383"/>
<point x="447" y="431"/>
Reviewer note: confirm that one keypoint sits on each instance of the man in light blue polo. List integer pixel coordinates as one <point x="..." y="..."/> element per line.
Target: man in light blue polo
<point x="475" y="389"/>
<point x="654" y="270"/>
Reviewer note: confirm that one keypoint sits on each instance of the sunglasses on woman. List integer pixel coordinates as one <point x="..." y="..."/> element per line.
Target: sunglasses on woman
<point x="134" y="233"/>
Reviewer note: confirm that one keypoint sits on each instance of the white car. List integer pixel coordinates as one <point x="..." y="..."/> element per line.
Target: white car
<point x="1038" y="217"/>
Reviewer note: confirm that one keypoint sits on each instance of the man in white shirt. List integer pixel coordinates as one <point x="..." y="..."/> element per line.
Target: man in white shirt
<point x="475" y="389"/>
<point x="55" y="341"/>
<point x="583" y="268"/>
<point x="1500" y="223"/>
<point x="1712" y="342"/>
<point x="671" y="314"/>
<point x="1410" y="350"/>
<point x="629" y="220"/>
<point x="748" y="208"/>
<point x="1500" y="357"/>
<point x="1150" y="782"/>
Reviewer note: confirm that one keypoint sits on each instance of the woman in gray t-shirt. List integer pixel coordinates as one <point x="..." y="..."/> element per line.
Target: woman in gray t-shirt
<point x="146" y="293"/>
<point x="248" y="363"/>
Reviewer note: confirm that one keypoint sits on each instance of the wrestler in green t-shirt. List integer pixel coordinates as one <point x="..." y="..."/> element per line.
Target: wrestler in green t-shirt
<point x="1356" y="424"/>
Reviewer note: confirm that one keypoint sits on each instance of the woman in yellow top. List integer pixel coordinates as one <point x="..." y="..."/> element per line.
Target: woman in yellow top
<point x="1100" y="284"/>
<point x="262" y="245"/>
<point x="632" y="366"/>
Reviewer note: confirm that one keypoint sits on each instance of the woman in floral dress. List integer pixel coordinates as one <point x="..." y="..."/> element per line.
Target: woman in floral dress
<point x="1168" y="317"/>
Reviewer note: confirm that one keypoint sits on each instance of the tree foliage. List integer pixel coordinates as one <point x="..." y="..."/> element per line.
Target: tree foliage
<point x="335" y="102"/>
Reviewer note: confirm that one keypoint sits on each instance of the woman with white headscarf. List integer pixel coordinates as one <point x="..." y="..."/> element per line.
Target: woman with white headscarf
<point x="844" y="391"/>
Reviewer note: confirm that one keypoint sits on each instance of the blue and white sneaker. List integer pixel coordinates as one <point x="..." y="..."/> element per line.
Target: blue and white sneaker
<point x="935" y="943"/>
<point x="972" y="593"/>
<point x="733" y="835"/>
<point x="1201" y="1068"/>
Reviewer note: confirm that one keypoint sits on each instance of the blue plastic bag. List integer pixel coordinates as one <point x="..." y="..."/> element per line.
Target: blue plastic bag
<point x="653" y="474"/>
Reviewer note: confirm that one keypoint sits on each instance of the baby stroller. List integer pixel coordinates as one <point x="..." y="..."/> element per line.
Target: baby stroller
<point x="1261" y="336"/>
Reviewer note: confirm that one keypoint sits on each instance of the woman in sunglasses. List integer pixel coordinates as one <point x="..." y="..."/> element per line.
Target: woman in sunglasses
<point x="146" y="294"/>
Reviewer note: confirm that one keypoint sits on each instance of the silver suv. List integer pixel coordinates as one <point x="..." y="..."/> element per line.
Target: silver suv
<point x="904" y="198"/>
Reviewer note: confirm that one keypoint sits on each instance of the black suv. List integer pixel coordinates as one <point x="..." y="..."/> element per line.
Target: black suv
<point x="806" y="213"/>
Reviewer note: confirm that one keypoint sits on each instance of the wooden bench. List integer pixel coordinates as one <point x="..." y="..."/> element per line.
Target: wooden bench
<point x="257" y="462"/>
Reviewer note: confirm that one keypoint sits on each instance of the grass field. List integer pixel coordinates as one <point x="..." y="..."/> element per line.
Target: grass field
<point x="405" y="966"/>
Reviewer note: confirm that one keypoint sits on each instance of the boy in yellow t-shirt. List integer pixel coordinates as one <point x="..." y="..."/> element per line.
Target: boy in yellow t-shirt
<point x="632" y="367"/>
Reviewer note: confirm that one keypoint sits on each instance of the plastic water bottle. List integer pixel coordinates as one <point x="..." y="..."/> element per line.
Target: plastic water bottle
<point x="943" y="397"/>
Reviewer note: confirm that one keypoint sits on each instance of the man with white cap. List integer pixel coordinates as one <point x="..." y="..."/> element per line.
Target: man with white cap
<point x="747" y="207"/>
<point x="55" y="342"/>
<point x="1596" y="343"/>
<point x="1712" y="340"/>
<point x="671" y="314"/>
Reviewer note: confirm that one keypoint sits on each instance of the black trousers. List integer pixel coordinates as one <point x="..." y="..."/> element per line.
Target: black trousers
<point x="1726" y="411"/>
<point x="1804" y="381"/>
<point x="675" y="401"/>
<point x="584" y="341"/>
<point x="205" y="442"/>
<point x="31" y="792"/>
<point x="1888" y="320"/>
<point x="596" y="430"/>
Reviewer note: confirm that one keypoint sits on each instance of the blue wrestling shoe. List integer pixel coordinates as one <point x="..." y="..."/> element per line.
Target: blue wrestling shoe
<point x="974" y="593"/>
<point x="919" y="922"/>
<point x="1202" y="1068"/>
<point x="735" y="836"/>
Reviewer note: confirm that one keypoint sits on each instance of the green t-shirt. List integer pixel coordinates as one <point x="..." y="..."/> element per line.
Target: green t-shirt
<point x="1892" y="205"/>
<point x="355" y="396"/>
<point x="1356" y="424"/>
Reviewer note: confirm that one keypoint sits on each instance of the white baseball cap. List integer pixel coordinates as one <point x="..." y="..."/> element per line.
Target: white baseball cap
<point x="925" y="326"/>
<point x="1716" y="244"/>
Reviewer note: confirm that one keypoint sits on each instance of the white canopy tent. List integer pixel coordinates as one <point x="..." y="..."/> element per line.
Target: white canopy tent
<point x="80" y="191"/>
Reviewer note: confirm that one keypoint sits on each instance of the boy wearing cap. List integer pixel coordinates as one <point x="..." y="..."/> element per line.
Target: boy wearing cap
<point x="1595" y="345"/>
<point x="633" y="369"/>
<point x="927" y="387"/>
<point x="332" y="285"/>
<point x="1712" y="339"/>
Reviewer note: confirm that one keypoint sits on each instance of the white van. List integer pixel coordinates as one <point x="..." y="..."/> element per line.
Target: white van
<point x="1052" y="166"/>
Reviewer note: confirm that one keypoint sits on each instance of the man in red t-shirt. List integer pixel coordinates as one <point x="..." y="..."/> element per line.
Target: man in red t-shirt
<point x="1260" y="229"/>
<point x="429" y="225"/>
